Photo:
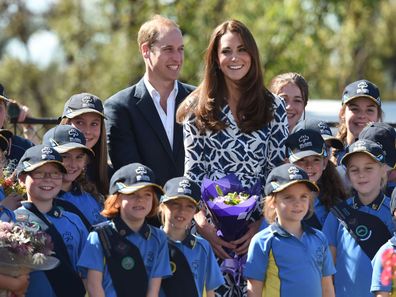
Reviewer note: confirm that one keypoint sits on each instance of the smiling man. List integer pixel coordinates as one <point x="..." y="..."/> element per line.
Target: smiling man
<point x="140" y="121"/>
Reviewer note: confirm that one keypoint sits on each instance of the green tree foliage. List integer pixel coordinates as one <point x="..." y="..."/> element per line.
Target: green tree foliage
<point x="330" y="42"/>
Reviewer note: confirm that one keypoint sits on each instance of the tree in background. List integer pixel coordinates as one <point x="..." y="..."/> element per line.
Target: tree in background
<point x="330" y="42"/>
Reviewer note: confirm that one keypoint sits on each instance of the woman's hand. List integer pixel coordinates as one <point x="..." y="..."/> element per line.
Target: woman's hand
<point x="209" y="232"/>
<point x="243" y="242"/>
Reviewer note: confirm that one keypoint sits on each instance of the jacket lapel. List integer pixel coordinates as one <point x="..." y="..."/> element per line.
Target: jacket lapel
<point x="178" y="128"/>
<point x="147" y="108"/>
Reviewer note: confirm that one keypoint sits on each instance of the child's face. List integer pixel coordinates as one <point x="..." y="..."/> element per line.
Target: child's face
<point x="136" y="206"/>
<point x="313" y="166"/>
<point x="178" y="213"/>
<point x="90" y="124"/>
<point x="292" y="204"/>
<point x="75" y="161"/>
<point x="365" y="175"/>
<point x="294" y="103"/>
<point x="358" y="113"/>
<point x="43" y="183"/>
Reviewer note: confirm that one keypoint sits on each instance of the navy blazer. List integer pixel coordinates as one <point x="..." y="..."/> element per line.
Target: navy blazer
<point x="135" y="132"/>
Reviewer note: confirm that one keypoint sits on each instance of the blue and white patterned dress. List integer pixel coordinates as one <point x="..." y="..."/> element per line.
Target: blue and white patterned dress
<point x="250" y="156"/>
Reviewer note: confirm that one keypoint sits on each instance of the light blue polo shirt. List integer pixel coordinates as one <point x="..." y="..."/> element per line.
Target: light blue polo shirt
<point x="74" y="235"/>
<point x="289" y="266"/>
<point x="354" y="271"/>
<point x="86" y="203"/>
<point x="376" y="284"/>
<point x="203" y="264"/>
<point x="153" y="247"/>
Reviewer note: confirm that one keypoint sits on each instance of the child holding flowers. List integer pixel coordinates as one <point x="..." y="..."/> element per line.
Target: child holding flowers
<point x="193" y="262"/>
<point x="294" y="259"/>
<point x="70" y="143"/>
<point x="358" y="227"/>
<point x="126" y="256"/>
<point x="41" y="171"/>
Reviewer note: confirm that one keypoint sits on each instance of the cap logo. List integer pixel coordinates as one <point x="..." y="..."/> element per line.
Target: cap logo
<point x="47" y="153"/>
<point x="142" y="174"/>
<point x="324" y="129"/>
<point x="73" y="133"/>
<point x="362" y="88"/>
<point x="294" y="173"/>
<point x="87" y="101"/>
<point x="304" y="141"/>
<point x="184" y="187"/>
<point x="274" y="185"/>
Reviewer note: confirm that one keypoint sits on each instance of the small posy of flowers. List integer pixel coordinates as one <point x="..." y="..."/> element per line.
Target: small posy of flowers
<point x="232" y="198"/>
<point x="25" y="240"/>
<point x="9" y="187"/>
<point x="388" y="266"/>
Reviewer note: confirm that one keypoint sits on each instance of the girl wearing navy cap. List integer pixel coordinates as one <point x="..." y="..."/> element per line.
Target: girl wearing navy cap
<point x="359" y="226"/>
<point x="78" y="195"/>
<point x="193" y="263"/>
<point x="289" y="258"/>
<point x="126" y="256"/>
<point x="85" y="112"/>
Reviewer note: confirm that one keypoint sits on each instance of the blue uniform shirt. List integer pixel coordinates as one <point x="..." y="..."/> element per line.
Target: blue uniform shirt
<point x="6" y="215"/>
<point x="354" y="271"/>
<point x="86" y="203"/>
<point x="376" y="284"/>
<point x="202" y="261"/>
<point x="153" y="248"/>
<point x="74" y="234"/>
<point x="287" y="265"/>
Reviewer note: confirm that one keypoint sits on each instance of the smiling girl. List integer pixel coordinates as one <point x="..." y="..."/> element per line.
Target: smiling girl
<point x="126" y="254"/>
<point x="85" y="112"/>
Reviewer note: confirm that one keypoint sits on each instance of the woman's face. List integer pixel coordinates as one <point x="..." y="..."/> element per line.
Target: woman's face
<point x="233" y="59"/>
<point x="294" y="103"/>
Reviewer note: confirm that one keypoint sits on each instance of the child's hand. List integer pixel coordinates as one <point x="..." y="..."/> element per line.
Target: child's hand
<point x="12" y="201"/>
<point x="19" y="285"/>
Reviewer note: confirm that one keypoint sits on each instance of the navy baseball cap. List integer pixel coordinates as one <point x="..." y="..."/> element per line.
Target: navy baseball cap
<point x="393" y="201"/>
<point x="181" y="187"/>
<point x="305" y="143"/>
<point x="82" y="103"/>
<point x="286" y="175"/>
<point x="133" y="177"/>
<point x="323" y="128"/>
<point x="38" y="156"/>
<point x="361" y="88"/>
<point x="64" y="138"/>
<point x="385" y="135"/>
<point x="368" y="147"/>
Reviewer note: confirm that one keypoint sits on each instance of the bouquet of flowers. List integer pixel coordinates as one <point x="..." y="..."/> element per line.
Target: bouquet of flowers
<point x="23" y="247"/>
<point x="389" y="264"/>
<point x="9" y="187"/>
<point x="231" y="207"/>
<point x="230" y="204"/>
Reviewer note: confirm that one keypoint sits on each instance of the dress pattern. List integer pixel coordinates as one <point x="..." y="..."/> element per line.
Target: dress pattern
<point x="250" y="156"/>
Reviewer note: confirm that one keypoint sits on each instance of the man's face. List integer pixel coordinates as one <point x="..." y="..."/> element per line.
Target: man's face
<point x="164" y="58"/>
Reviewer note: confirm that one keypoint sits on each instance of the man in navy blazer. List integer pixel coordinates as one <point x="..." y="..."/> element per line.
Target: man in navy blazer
<point x="140" y="120"/>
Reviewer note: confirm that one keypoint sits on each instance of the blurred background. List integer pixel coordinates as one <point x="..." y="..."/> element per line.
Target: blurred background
<point x="51" y="49"/>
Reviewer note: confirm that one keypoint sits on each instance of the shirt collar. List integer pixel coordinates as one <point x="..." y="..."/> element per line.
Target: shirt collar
<point x="154" y="93"/>
<point x="189" y="241"/>
<point x="277" y="229"/>
<point x="375" y="205"/>
<point x="124" y="230"/>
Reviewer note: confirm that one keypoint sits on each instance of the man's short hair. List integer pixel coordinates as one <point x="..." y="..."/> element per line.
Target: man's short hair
<point x="150" y="30"/>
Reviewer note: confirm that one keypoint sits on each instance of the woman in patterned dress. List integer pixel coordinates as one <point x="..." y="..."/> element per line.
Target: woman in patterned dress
<point x="232" y="124"/>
